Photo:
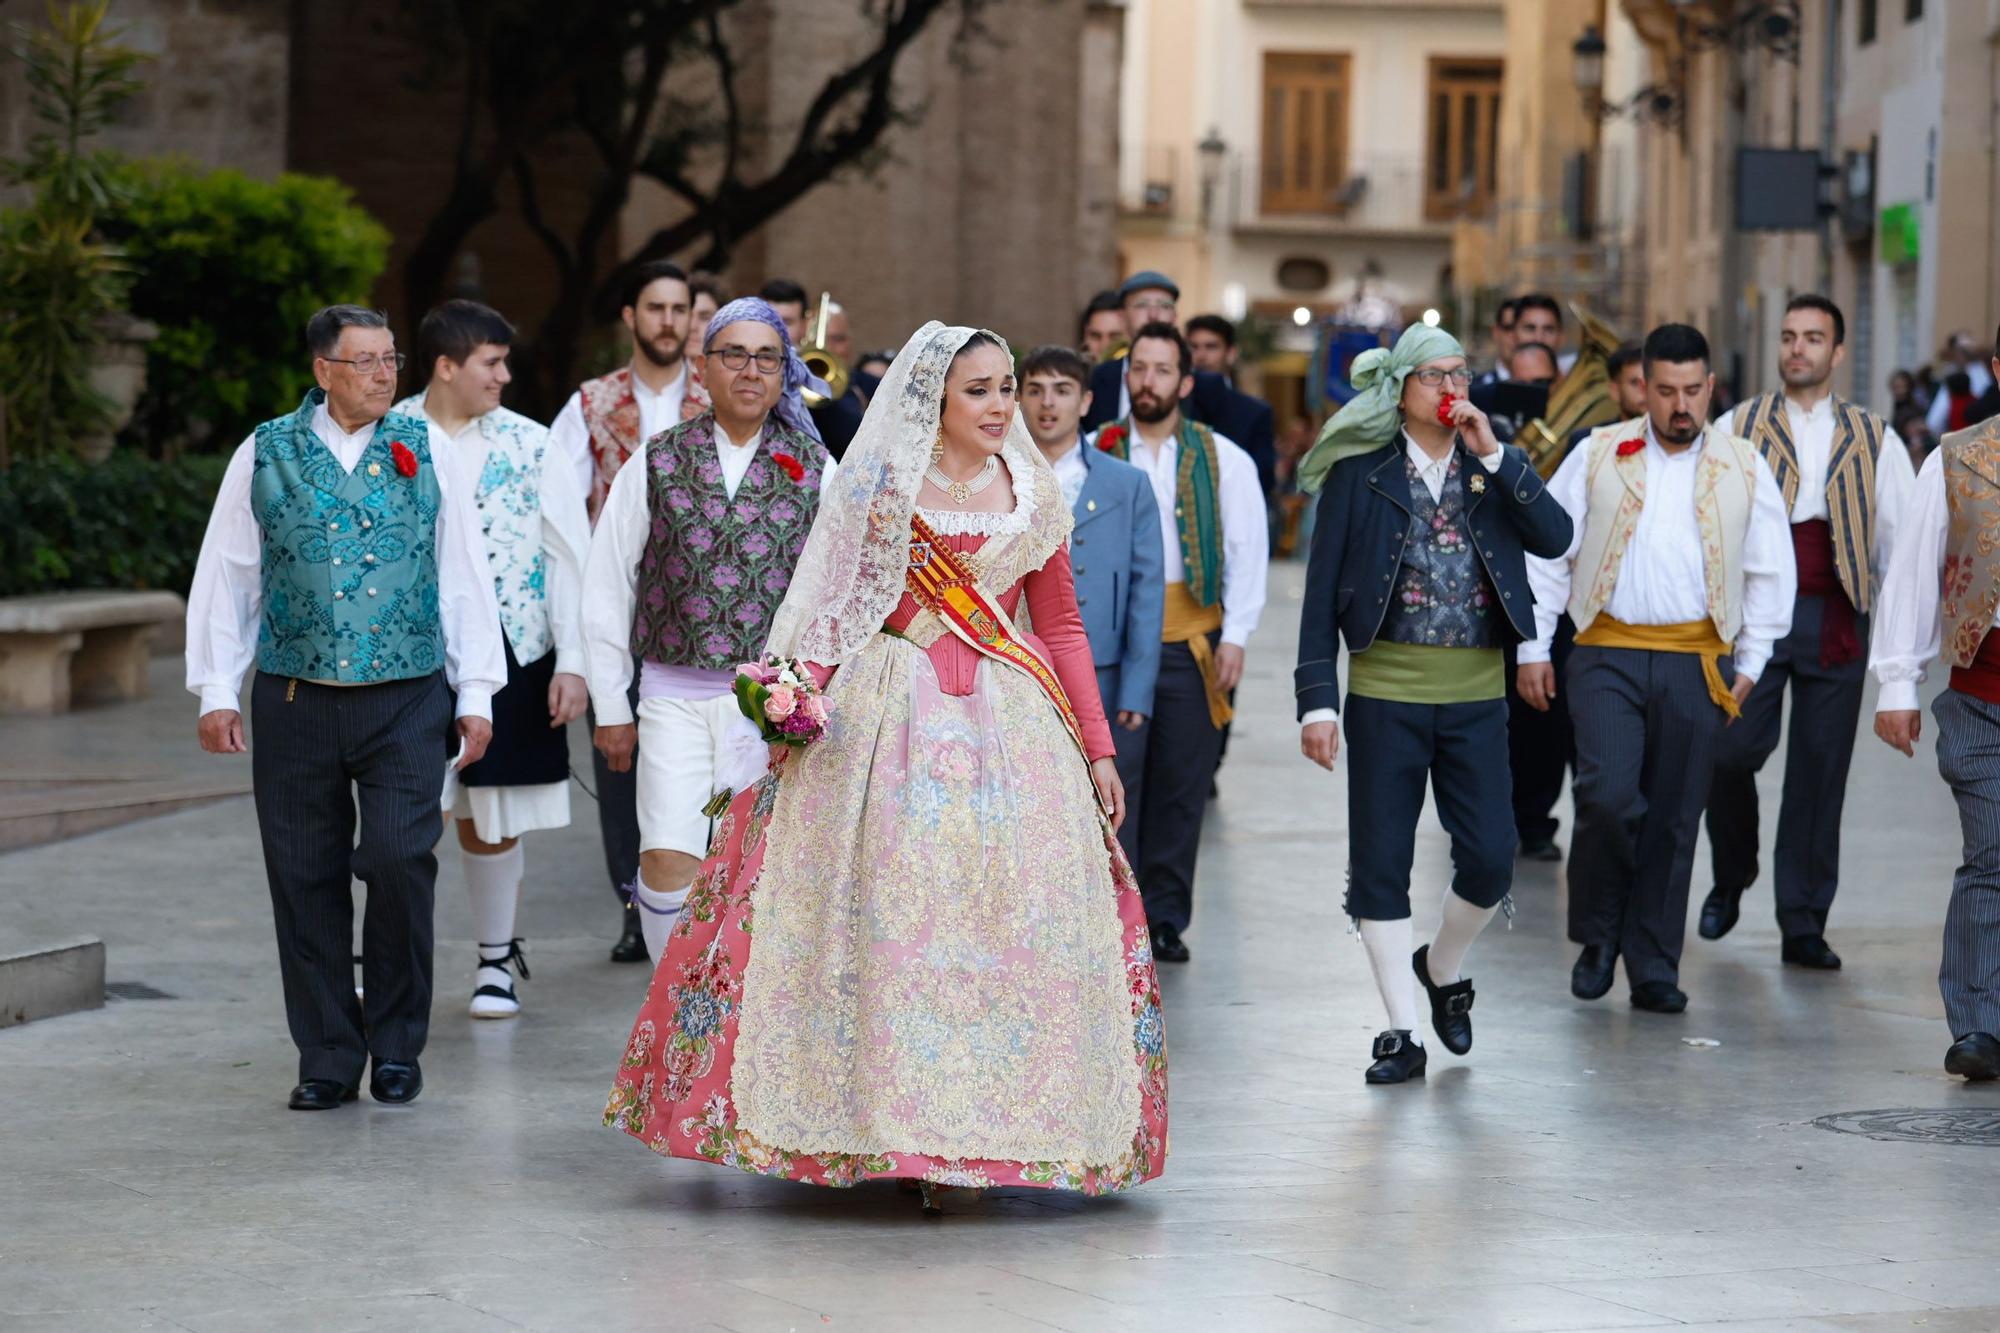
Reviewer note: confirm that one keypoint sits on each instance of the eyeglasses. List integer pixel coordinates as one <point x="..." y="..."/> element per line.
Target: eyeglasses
<point x="368" y="365"/>
<point x="1157" y="306"/>
<point x="1431" y="377"/>
<point x="769" y="360"/>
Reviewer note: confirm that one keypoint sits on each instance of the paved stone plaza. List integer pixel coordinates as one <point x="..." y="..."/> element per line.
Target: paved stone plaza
<point x="1585" y="1168"/>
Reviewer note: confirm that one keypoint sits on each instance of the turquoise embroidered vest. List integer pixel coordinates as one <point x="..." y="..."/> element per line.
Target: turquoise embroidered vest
<point x="350" y="558"/>
<point x="509" y="496"/>
<point x="715" y="568"/>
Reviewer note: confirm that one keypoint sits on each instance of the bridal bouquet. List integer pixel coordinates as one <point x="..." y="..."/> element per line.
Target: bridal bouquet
<point x="781" y="698"/>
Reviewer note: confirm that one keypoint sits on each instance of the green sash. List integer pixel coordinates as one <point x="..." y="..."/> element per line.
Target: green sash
<point x="1197" y="500"/>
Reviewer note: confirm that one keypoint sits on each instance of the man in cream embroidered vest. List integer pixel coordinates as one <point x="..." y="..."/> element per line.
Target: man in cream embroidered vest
<point x="536" y="537"/>
<point x="1680" y="580"/>
<point x="604" y="423"/>
<point x="691" y="557"/>
<point x="1845" y="478"/>
<point x="1216" y="545"/>
<point x="344" y="559"/>
<point x="1941" y="595"/>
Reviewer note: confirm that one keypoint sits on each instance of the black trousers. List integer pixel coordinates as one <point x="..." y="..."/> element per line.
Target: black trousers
<point x="1826" y="708"/>
<point x="315" y="750"/>
<point x="618" y="808"/>
<point x="1131" y="760"/>
<point x="1395" y="751"/>
<point x="1646" y="737"/>
<point x="1181" y="751"/>
<point x="1541" y="747"/>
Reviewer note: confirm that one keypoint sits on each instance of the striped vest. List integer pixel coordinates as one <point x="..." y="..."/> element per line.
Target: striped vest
<point x="1850" y="479"/>
<point x="1970" y="584"/>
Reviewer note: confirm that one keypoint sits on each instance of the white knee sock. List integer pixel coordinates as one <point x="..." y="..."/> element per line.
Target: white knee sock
<point x="657" y="914"/>
<point x="1389" y="949"/>
<point x="1458" y="926"/>
<point x="493" y="883"/>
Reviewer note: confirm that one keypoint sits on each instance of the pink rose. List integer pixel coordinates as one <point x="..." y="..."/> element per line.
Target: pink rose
<point x="816" y="708"/>
<point x="783" y="701"/>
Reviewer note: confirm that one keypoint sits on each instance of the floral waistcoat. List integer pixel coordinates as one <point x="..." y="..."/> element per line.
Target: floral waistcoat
<point x="715" y="568"/>
<point x="509" y="495"/>
<point x="1443" y="598"/>
<point x="350" y="573"/>
<point x="1969" y="592"/>
<point x="611" y="415"/>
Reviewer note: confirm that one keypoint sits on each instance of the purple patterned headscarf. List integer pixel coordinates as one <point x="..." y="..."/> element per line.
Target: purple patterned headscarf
<point x="791" y="408"/>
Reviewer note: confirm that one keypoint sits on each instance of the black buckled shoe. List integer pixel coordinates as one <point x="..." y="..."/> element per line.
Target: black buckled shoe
<point x="1810" y="951"/>
<point x="1719" y="912"/>
<point x="321" y="1094"/>
<point x="1595" y="967"/>
<point x="396" y="1081"/>
<point x="1451" y="1006"/>
<point x="631" y="946"/>
<point x="1168" y="947"/>
<point x="1659" y="997"/>
<point x="1397" y="1058"/>
<point x="1975" y="1057"/>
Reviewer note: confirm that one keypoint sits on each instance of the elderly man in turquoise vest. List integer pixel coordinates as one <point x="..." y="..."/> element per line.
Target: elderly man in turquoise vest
<point x="343" y="562"/>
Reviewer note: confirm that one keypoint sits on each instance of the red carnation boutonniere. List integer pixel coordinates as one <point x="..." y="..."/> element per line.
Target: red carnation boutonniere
<point x="792" y="466"/>
<point x="1107" y="439"/>
<point x="406" y="462"/>
<point x="1627" y="448"/>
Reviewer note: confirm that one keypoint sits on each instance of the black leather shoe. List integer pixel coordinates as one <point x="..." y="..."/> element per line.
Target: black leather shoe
<point x="1167" y="944"/>
<point x="1719" y="912"/>
<point x="321" y="1094"/>
<point x="631" y="946"/>
<point x="1595" y="967"/>
<point x="1541" y="849"/>
<point x="1659" y="997"/>
<point x="396" y="1082"/>
<point x="1974" y="1057"/>
<point x="1451" y="1006"/>
<point x="1397" y="1058"/>
<point x="1811" y="951"/>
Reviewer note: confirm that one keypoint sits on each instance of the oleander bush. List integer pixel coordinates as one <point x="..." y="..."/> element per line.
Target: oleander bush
<point x="127" y="522"/>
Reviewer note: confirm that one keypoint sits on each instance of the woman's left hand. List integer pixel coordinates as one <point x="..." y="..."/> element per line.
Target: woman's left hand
<point x="1474" y="428"/>
<point x="1104" y="772"/>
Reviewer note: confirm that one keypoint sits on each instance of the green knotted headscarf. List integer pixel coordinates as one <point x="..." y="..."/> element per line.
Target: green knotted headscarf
<point x="1371" y="418"/>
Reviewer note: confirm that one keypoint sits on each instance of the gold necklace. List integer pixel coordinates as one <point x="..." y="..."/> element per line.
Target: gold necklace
<point x="961" y="492"/>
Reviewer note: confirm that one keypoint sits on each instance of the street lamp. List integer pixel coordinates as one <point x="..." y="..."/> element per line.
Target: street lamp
<point x="1212" y="150"/>
<point x="1588" y="56"/>
<point x="1657" y="102"/>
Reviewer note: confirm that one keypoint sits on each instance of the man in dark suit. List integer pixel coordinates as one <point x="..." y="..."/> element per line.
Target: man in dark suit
<point x="1148" y="296"/>
<point x="838" y="418"/>
<point x="1503" y="347"/>
<point x="1115" y="554"/>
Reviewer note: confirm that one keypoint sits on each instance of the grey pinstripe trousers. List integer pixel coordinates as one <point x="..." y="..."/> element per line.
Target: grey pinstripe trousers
<point x="1968" y="752"/>
<point x="311" y="754"/>
<point x="1646" y="737"/>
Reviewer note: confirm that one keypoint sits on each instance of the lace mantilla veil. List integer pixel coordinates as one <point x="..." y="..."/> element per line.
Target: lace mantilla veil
<point x="851" y="574"/>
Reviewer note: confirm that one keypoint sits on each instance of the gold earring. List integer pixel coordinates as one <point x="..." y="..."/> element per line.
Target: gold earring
<point x="937" y="447"/>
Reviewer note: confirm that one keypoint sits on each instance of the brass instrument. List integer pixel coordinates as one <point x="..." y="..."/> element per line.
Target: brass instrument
<point x="1584" y="398"/>
<point x="822" y="363"/>
<point x="1115" y="350"/>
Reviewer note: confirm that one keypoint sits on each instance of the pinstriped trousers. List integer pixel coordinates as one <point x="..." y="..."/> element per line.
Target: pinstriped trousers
<point x="311" y="754"/>
<point x="1968" y="752"/>
<point x="1646" y="738"/>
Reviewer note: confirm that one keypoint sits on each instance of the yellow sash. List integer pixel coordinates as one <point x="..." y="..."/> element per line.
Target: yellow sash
<point x="1188" y="621"/>
<point x="1696" y="636"/>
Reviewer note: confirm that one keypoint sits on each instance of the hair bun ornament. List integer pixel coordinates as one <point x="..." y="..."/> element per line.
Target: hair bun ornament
<point x="1368" y="367"/>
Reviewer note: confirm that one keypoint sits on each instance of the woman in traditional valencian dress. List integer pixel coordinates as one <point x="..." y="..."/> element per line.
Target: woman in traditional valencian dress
<point x="916" y="951"/>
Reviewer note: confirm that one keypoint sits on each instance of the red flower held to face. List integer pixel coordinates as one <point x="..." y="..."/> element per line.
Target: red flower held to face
<point x="792" y="466"/>
<point x="406" y="462"/>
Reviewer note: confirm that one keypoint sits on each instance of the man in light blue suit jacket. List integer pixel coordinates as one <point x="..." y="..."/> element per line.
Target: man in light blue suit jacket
<point x="1115" y="554"/>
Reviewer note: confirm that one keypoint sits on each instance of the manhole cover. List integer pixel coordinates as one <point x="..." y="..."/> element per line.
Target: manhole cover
<point x="1972" y="1126"/>
<point x="133" y="990"/>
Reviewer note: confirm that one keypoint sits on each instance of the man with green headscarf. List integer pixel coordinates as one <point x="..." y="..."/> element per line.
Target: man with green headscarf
<point x="1419" y="560"/>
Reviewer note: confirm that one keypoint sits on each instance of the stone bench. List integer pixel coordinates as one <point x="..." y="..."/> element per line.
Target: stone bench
<point x="62" y="648"/>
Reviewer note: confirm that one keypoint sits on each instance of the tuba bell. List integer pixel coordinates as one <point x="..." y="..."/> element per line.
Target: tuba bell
<point x="1583" y="399"/>
<point x="822" y="363"/>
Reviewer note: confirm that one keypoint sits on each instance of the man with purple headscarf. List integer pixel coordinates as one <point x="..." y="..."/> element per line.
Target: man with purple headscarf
<point x="692" y="554"/>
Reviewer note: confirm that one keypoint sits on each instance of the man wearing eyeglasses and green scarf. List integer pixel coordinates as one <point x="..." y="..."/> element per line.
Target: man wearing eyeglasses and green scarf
<point x="1419" y="561"/>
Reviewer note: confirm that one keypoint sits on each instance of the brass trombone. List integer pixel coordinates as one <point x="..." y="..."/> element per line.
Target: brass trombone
<point x="1584" y="398"/>
<point x="822" y="363"/>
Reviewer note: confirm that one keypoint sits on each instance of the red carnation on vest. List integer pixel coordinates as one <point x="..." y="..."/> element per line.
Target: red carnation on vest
<point x="1626" y="448"/>
<point x="792" y="466"/>
<point x="1107" y="439"/>
<point x="406" y="462"/>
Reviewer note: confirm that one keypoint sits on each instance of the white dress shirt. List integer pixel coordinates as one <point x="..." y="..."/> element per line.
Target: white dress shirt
<point x="565" y="536"/>
<point x="1812" y="441"/>
<point x="227" y="599"/>
<point x="657" y="412"/>
<point x="1071" y="472"/>
<point x="1246" y="537"/>
<point x="1662" y="580"/>
<point x="1908" y="623"/>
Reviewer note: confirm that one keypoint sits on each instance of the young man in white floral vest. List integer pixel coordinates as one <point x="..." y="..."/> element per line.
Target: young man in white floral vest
<point x="604" y="423"/>
<point x="693" y="551"/>
<point x="536" y="539"/>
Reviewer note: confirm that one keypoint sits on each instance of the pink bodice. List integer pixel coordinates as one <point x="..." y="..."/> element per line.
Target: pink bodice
<point x="1058" y="636"/>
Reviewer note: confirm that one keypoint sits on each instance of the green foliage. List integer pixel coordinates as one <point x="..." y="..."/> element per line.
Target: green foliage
<point x="77" y="77"/>
<point x="230" y="268"/>
<point x="128" y="522"/>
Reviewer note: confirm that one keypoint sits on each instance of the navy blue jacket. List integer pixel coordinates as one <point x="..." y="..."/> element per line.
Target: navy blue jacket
<point x="1359" y="530"/>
